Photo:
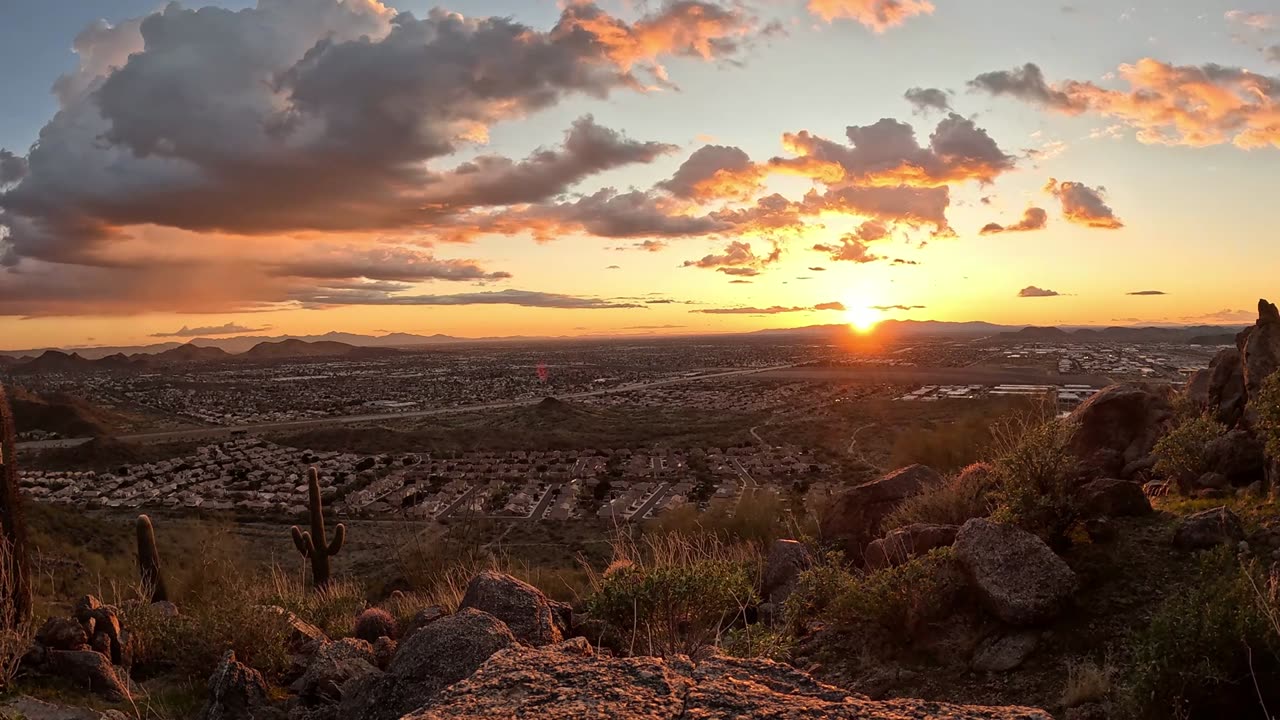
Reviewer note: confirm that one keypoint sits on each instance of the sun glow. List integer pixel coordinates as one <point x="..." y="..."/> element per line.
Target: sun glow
<point x="861" y="318"/>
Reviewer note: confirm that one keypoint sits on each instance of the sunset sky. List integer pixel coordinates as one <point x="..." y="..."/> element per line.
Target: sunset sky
<point x="541" y="168"/>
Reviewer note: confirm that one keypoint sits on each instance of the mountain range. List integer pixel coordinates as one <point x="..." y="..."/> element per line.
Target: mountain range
<point x="351" y="344"/>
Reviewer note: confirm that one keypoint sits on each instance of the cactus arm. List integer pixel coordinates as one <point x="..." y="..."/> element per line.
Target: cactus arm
<point x="339" y="537"/>
<point x="302" y="541"/>
<point x="149" y="560"/>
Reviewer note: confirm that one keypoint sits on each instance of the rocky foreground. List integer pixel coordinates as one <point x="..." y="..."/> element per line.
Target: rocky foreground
<point x="472" y="665"/>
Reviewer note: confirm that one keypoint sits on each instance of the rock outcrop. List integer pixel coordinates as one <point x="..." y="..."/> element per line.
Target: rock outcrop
<point x="236" y="692"/>
<point x="1238" y="456"/>
<point x="1118" y="426"/>
<point x="787" y="559"/>
<point x="1260" y="347"/>
<point x="520" y="605"/>
<point x="853" y="519"/>
<point x="1207" y="529"/>
<point x="332" y="666"/>
<point x="1108" y="497"/>
<point x="1225" y="394"/>
<point x="426" y="662"/>
<point x="566" y="682"/>
<point x="904" y="543"/>
<point x="1017" y="576"/>
<point x="89" y="649"/>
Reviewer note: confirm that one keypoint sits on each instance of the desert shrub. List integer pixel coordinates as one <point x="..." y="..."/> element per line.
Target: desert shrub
<point x="816" y="588"/>
<point x="759" y="641"/>
<point x="675" y="594"/>
<point x="758" y="519"/>
<point x="1034" y="470"/>
<point x="901" y="600"/>
<point x="1180" y="454"/>
<point x="966" y="495"/>
<point x="1211" y="650"/>
<point x="1086" y="682"/>
<point x="1267" y="406"/>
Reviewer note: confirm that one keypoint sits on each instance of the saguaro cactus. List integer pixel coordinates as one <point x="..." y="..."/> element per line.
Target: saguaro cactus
<point x="149" y="561"/>
<point x="313" y="544"/>
<point x="15" y="572"/>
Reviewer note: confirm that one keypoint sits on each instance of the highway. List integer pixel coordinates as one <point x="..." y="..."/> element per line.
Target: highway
<point x="214" y="433"/>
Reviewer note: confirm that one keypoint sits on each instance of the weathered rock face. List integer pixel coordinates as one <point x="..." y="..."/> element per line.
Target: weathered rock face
<point x="59" y="633"/>
<point x="333" y="665"/>
<point x="853" y="520"/>
<point x="1225" y="394"/>
<point x="1108" y="497"/>
<point x="236" y="692"/>
<point x="561" y="685"/>
<point x="1018" y="577"/>
<point x="787" y="559"/>
<point x="431" y="659"/>
<point x="1238" y="456"/>
<point x="1207" y="529"/>
<point x="423" y="618"/>
<point x="901" y="544"/>
<point x="1118" y="426"/>
<point x="29" y="708"/>
<point x="1260" y="348"/>
<point x="89" y="670"/>
<point x="518" y="604"/>
<point x="1003" y="653"/>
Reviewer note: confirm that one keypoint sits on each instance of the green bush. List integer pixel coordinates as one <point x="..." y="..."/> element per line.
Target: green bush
<point x="899" y="601"/>
<point x="676" y="597"/>
<point x="1180" y="454"/>
<point x="1212" y="650"/>
<point x="1034" y="470"/>
<point x="966" y="495"/>
<point x="1267" y="405"/>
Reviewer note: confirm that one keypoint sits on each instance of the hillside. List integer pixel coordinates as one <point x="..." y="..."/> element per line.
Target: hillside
<point x="59" y="413"/>
<point x="303" y="349"/>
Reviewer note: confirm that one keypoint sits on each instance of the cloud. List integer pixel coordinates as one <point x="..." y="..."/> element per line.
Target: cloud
<point x="1254" y="20"/>
<point x="12" y="167"/>
<point x="228" y="329"/>
<point x="380" y="263"/>
<point x="715" y="172"/>
<point x="1083" y="205"/>
<point x="327" y="116"/>
<point x="1033" y="218"/>
<point x="1222" y="316"/>
<point x="884" y="308"/>
<point x="1193" y="105"/>
<point x="1272" y="53"/>
<point x="817" y="268"/>
<point x="1031" y="291"/>
<point x="926" y="99"/>
<point x="774" y="310"/>
<point x="901" y="261"/>
<point x="740" y="282"/>
<point x="653" y="327"/>
<point x="911" y="206"/>
<point x="1147" y="292"/>
<point x="879" y="15"/>
<point x="850" y="249"/>
<point x="524" y="298"/>
<point x="887" y="153"/>
<point x="737" y="259"/>
<point x="614" y="267"/>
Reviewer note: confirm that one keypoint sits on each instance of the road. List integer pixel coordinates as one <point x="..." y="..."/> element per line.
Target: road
<point x="552" y="491"/>
<point x="229" y="430"/>
<point x="653" y="500"/>
<point x="464" y="498"/>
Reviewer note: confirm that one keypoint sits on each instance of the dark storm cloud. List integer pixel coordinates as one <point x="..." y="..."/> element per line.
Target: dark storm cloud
<point x="1027" y="83"/>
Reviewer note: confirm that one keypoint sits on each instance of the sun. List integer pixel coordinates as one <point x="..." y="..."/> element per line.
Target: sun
<point x="861" y="318"/>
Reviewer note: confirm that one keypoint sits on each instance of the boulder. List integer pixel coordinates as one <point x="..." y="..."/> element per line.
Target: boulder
<point x="59" y="633"/>
<point x="518" y="604"/>
<point x="1238" y="456"/>
<point x="1207" y="529"/>
<point x="1260" y="348"/>
<point x="423" y="618"/>
<point x="236" y="692"/>
<point x="1002" y="653"/>
<point x="383" y="652"/>
<point x="333" y="665"/>
<point x="1118" y="425"/>
<point x="435" y="657"/>
<point x="1108" y="497"/>
<point x="787" y="559"/>
<point x="853" y="519"/>
<point x="1017" y="576"/>
<point x="901" y="544"/>
<point x="1211" y="481"/>
<point x="551" y="684"/>
<point x="1225" y="393"/>
<point x="90" y="671"/>
<point x="1197" y="387"/>
<point x="24" y="707"/>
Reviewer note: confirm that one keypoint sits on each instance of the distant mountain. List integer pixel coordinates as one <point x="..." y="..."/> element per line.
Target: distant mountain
<point x="1198" y="334"/>
<point x="304" y="349"/>
<point x="185" y="353"/>
<point x="892" y="328"/>
<point x="53" y="361"/>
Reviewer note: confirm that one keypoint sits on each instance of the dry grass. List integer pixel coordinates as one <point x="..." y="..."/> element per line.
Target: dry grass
<point x="965" y="495"/>
<point x="1086" y="682"/>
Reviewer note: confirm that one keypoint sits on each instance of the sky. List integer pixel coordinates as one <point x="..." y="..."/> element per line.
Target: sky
<point x="494" y="168"/>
